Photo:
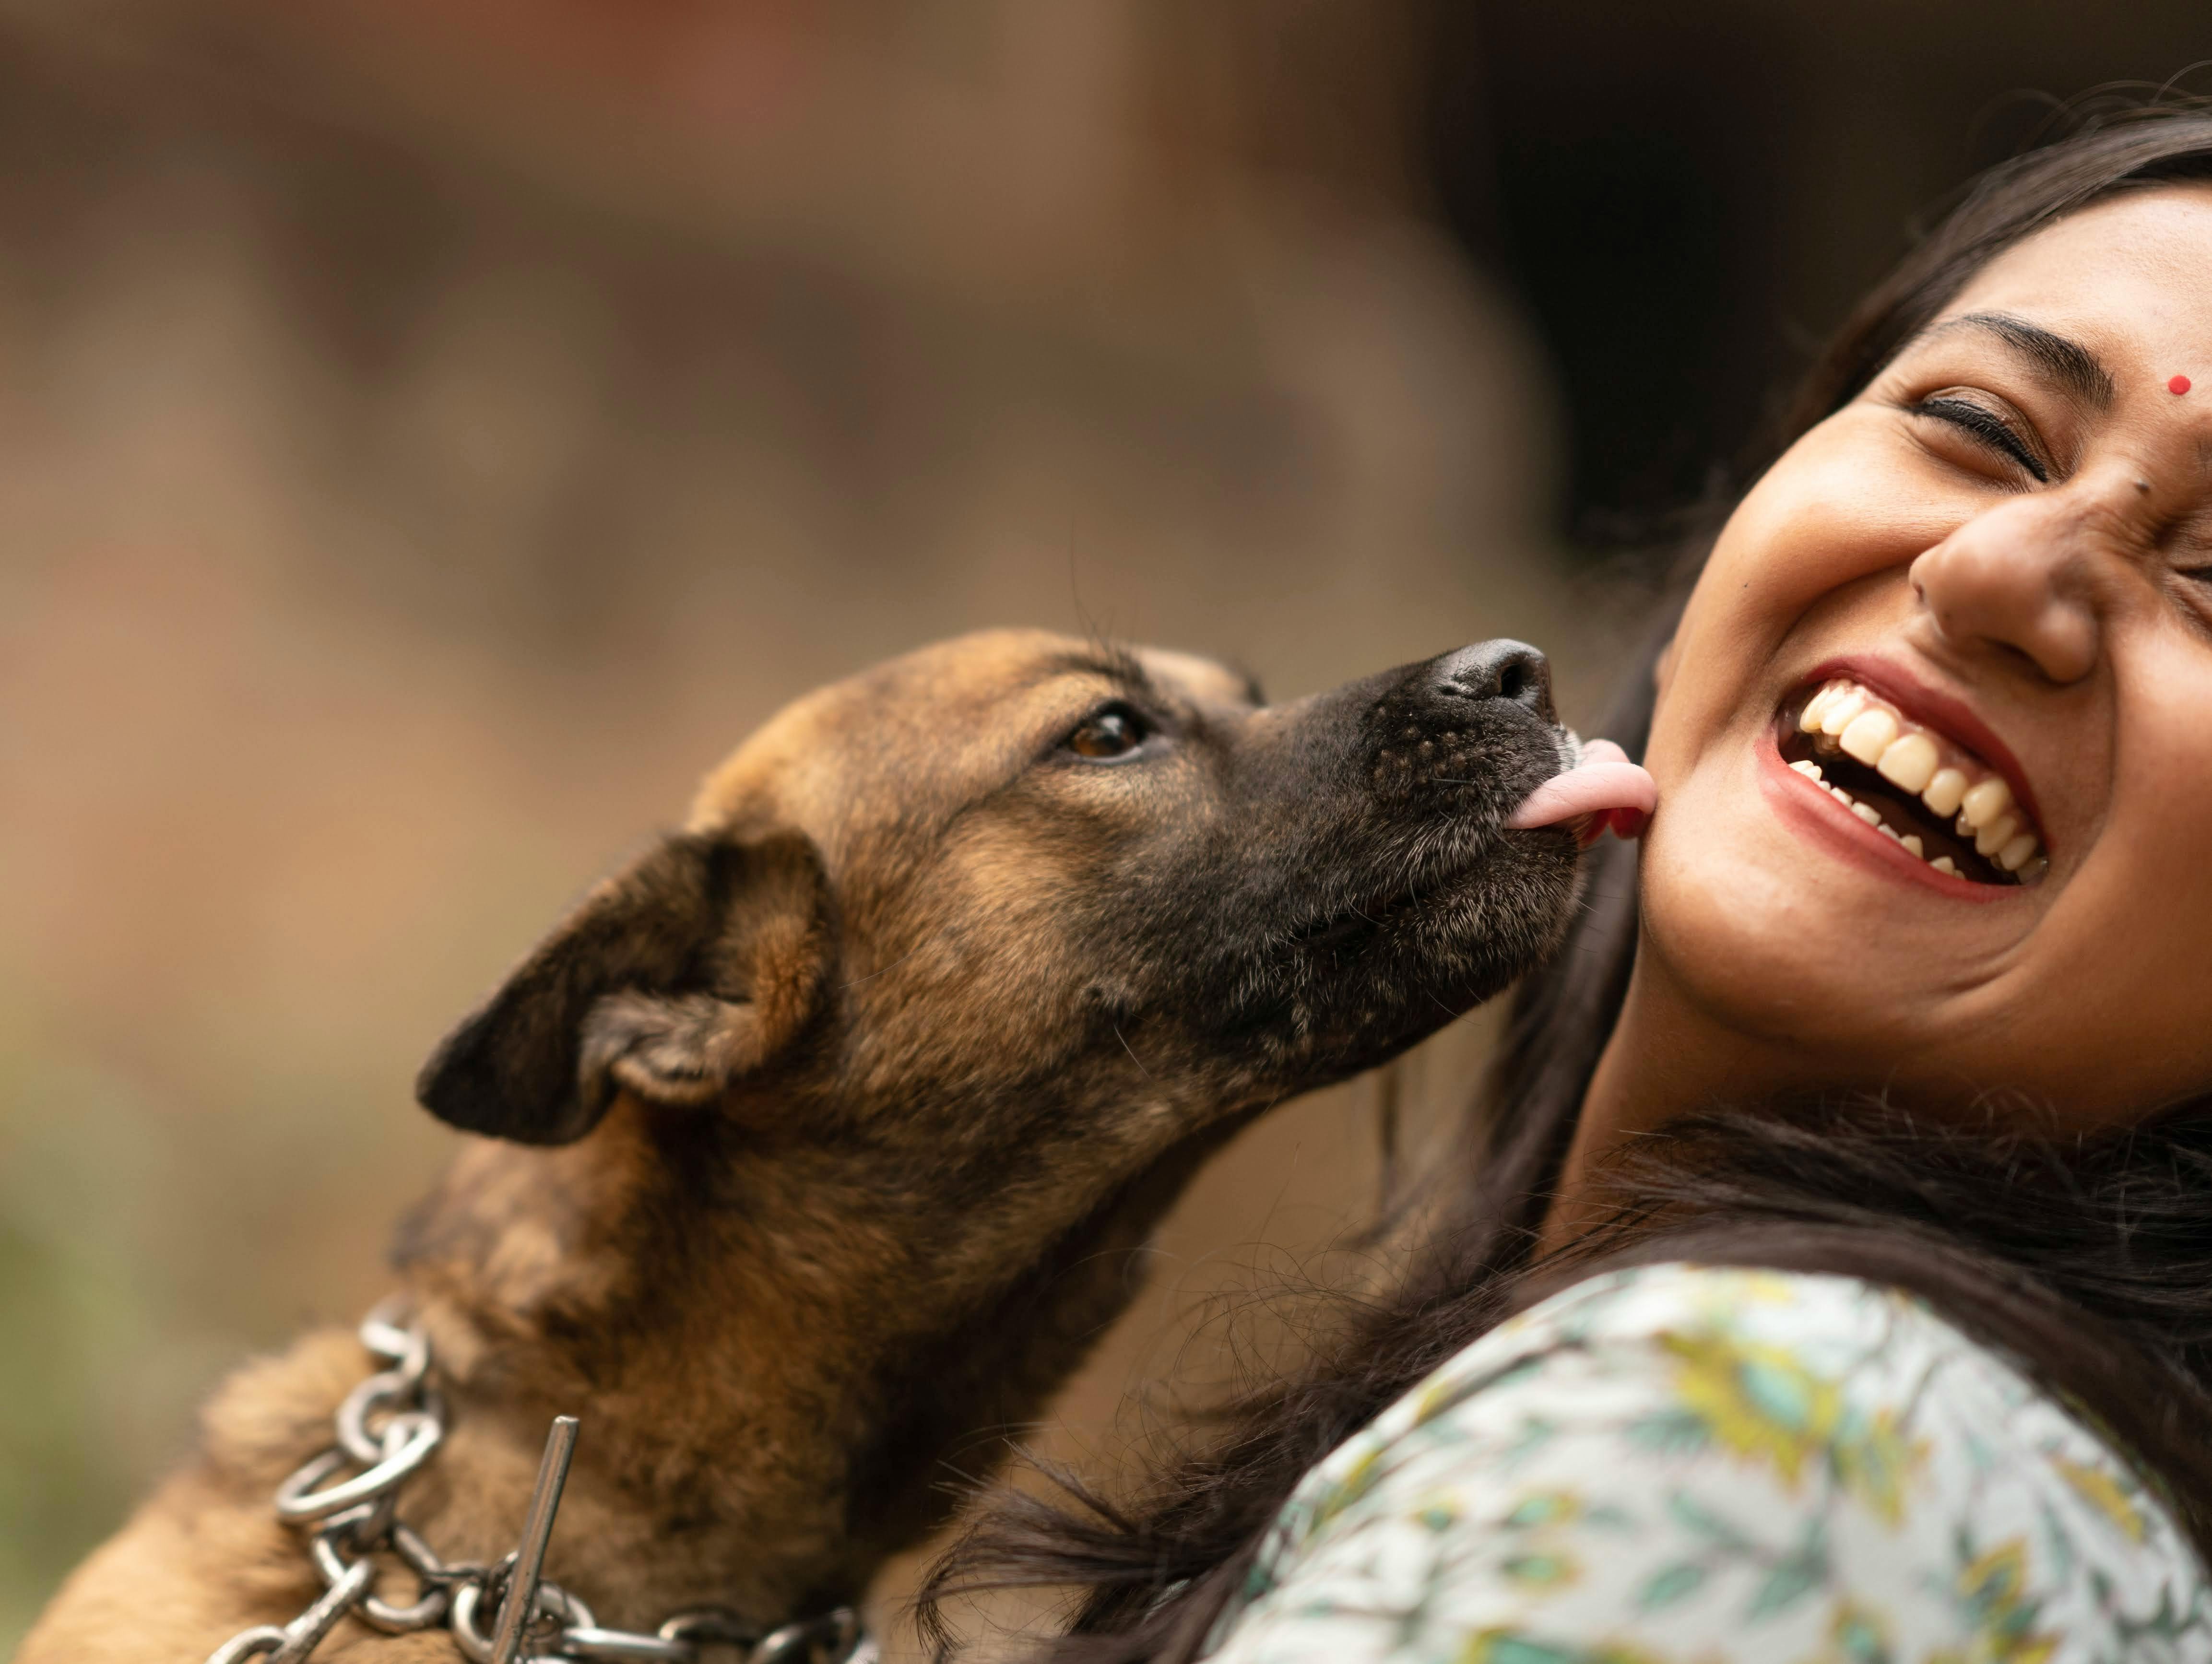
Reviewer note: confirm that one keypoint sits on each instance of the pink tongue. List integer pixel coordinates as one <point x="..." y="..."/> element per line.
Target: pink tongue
<point x="1606" y="784"/>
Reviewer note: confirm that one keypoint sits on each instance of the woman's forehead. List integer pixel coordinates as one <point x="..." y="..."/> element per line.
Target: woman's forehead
<point x="2139" y="262"/>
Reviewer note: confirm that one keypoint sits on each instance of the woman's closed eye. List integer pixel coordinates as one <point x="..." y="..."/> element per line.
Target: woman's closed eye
<point x="2196" y="584"/>
<point x="1991" y="431"/>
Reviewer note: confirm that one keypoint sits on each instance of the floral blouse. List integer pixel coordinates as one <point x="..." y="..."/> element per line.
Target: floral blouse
<point x="1683" y="1465"/>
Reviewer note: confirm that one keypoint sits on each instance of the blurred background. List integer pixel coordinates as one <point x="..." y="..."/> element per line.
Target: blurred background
<point x="430" y="435"/>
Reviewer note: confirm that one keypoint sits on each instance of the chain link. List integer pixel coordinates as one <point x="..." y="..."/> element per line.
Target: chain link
<point x="387" y="1428"/>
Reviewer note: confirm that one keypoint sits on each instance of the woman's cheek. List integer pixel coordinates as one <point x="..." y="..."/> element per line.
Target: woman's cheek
<point x="2141" y="910"/>
<point x="1843" y="504"/>
<point x="1764" y="574"/>
<point x="1846" y="504"/>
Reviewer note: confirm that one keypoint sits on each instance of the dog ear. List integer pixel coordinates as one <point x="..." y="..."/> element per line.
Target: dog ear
<point x="677" y="977"/>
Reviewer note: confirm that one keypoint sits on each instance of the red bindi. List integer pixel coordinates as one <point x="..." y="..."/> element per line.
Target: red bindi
<point x="2179" y="385"/>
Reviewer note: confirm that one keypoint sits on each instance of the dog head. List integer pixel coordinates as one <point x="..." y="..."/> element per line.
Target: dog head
<point x="905" y="1041"/>
<point x="1007" y="886"/>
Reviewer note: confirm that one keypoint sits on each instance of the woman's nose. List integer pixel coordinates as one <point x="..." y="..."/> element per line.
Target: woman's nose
<point x="2016" y="577"/>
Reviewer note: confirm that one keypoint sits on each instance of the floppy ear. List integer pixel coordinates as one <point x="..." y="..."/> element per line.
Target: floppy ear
<point x="675" y="978"/>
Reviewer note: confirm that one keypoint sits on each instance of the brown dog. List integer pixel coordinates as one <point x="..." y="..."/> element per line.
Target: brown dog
<point x="816" y="1140"/>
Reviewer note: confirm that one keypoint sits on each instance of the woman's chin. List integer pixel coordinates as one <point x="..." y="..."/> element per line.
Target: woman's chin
<point x="1788" y="934"/>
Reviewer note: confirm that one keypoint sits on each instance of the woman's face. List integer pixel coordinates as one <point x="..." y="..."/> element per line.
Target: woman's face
<point x="1998" y="559"/>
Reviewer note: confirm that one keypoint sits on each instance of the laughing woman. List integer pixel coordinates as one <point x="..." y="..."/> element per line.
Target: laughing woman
<point x="1830" y="1275"/>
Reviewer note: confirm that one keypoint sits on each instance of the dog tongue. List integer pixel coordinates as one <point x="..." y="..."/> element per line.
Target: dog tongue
<point x="1605" y="786"/>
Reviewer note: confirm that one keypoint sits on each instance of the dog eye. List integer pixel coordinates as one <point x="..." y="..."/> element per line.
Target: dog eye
<point x="1107" y="735"/>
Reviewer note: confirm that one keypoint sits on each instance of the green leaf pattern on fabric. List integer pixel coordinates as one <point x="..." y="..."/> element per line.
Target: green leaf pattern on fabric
<point x="1690" y="1465"/>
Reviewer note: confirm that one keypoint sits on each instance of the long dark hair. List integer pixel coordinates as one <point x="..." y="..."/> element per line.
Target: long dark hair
<point x="2087" y="1257"/>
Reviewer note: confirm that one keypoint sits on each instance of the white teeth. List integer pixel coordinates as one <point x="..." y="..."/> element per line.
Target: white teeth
<point x="1841" y="709"/>
<point x="1842" y="717"/>
<point x="1808" y="719"/>
<point x="1943" y="792"/>
<point x="1986" y="802"/>
<point x="1910" y="762"/>
<point x="1868" y="735"/>
<point x="1996" y="834"/>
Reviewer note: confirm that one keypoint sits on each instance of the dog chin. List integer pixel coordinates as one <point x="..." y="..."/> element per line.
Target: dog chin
<point x="1388" y="981"/>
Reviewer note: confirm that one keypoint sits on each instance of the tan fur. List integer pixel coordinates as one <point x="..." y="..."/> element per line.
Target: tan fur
<point x="856" y="1166"/>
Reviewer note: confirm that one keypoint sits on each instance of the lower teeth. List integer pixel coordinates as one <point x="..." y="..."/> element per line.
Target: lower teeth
<point x="2027" y="873"/>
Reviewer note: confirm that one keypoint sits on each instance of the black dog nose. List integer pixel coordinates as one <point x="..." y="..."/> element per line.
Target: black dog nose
<point x="1498" y="670"/>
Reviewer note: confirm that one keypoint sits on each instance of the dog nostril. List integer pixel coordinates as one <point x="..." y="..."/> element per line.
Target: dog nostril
<point x="1511" y="670"/>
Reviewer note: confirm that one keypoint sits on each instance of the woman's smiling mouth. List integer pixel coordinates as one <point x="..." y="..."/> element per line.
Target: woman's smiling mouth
<point x="1931" y="795"/>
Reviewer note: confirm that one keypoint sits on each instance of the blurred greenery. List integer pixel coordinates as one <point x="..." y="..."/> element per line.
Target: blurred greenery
<point x="77" y="1317"/>
<point x="60" y="1486"/>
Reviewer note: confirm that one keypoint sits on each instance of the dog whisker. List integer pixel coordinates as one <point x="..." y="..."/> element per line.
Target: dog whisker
<point x="1132" y="1050"/>
<point x="880" y="971"/>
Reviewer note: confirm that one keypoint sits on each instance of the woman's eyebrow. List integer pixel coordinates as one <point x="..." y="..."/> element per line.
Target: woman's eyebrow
<point x="2078" y="372"/>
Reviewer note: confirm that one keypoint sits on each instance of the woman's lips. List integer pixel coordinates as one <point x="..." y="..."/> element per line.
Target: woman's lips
<point x="1945" y="803"/>
<point x="1813" y="811"/>
<point x="1605" y="787"/>
<point x="1947" y="715"/>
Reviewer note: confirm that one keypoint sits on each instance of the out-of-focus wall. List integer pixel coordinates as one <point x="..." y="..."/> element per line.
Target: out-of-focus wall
<point x="1689" y="195"/>
<point x="430" y="436"/>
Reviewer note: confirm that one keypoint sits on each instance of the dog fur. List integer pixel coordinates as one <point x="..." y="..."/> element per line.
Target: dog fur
<point x="813" y="1146"/>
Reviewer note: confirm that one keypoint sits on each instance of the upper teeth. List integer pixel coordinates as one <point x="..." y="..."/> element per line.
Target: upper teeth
<point x="1846" y="717"/>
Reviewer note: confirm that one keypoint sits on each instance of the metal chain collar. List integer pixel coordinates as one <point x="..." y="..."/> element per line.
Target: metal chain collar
<point x="388" y="1427"/>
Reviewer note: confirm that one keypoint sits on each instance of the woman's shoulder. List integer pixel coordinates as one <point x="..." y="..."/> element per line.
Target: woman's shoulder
<point x="1698" y="1459"/>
